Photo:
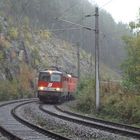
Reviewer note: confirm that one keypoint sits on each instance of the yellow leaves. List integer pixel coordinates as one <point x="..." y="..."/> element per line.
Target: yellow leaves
<point x="28" y="35"/>
<point x="4" y="43"/>
<point x="21" y="86"/>
<point x="1" y="55"/>
<point x="13" y="33"/>
<point x="8" y="90"/>
<point x="44" y="34"/>
<point x="25" y="76"/>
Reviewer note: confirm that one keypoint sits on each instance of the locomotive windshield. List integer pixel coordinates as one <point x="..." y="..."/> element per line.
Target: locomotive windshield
<point x="44" y="76"/>
<point x="55" y="78"/>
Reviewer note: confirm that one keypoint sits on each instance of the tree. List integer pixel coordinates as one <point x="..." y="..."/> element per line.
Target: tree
<point x="131" y="66"/>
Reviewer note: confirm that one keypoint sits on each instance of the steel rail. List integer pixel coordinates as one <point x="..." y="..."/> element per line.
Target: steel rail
<point x="35" y="127"/>
<point x="116" y="127"/>
<point x="98" y="120"/>
<point x="5" y="132"/>
<point x="108" y="126"/>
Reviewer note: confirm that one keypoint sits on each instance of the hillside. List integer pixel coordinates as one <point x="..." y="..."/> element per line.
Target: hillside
<point x="42" y="14"/>
<point x="27" y="47"/>
<point x="39" y="49"/>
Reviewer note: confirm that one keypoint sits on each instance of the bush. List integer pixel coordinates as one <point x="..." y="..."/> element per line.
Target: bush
<point x="11" y="90"/>
<point x="21" y="87"/>
<point x="8" y="90"/>
<point x="45" y="34"/>
<point x="85" y="96"/>
<point x="124" y="107"/>
<point x="121" y="106"/>
<point x="13" y="33"/>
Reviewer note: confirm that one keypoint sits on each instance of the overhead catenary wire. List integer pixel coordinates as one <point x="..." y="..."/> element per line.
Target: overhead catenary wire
<point x="105" y="4"/>
<point x="68" y="9"/>
<point x="70" y="22"/>
<point x="64" y="29"/>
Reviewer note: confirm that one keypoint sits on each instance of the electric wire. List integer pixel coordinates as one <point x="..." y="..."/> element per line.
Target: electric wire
<point x="106" y="4"/>
<point x="68" y="9"/>
<point x="82" y="14"/>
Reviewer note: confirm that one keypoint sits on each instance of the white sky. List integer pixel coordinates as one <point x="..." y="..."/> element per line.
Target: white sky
<point x="121" y="10"/>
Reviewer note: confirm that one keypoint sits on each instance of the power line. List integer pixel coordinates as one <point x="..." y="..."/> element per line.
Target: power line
<point x="65" y="29"/>
<point x="70" y="22"/>
<point x="62" y="15"/>
<point x="68" y="9"/>
<point x="106" y="4"/>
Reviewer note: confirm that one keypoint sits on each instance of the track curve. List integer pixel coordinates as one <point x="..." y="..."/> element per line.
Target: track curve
<point x="16" y="130"/>
<point x="120" y="129"/>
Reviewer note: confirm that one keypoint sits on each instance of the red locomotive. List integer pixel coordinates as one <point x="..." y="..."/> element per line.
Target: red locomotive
<point x="56" y="85"/>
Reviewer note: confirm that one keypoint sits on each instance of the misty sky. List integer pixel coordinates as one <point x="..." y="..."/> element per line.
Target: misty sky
<point x="121" y="10"/>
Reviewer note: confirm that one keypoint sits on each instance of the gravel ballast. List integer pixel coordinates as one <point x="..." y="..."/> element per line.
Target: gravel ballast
<point x="66" y="128"/>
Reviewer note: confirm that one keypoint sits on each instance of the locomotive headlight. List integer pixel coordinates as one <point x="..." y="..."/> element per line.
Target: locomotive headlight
<point x="57" y="89"/>
<point x="50" y="72"/>
<point x="69" y="75"/>
<point x="41" y="88"/>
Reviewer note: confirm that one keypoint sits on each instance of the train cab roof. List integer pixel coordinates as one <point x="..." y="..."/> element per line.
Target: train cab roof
<point x="57" y="70"/>
<point x="51" y="71"/>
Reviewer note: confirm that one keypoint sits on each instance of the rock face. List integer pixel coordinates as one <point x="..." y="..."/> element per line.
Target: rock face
<point x="37" y="50"/>
<point x="37" y="53"/>
<point x="62" y="54"/>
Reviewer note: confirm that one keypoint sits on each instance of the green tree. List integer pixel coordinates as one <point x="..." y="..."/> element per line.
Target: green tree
<point x="131" y="66"/>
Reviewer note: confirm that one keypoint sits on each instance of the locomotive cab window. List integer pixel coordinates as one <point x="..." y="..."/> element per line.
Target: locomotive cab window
<point x="44" y="76"/>
<point x="55" y="78"/>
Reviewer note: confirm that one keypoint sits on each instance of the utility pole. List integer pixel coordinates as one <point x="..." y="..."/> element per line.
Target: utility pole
<point x="96" y="52"/>
<point x="78" y="62"/>
<point x="97" y="59"/>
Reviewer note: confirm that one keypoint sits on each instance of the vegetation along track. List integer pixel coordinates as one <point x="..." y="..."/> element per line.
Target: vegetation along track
<point x="117" y="128"/>
<point x="17" y="128"/>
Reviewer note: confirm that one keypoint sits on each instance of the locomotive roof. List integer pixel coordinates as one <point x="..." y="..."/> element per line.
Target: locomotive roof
<point x="53" y="71"/>
<point x="57" y="70"/>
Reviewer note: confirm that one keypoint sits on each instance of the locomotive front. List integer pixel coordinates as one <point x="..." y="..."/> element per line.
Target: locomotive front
<point x="50" y="85"/>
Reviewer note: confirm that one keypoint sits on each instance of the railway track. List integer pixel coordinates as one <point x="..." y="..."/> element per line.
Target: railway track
<point x="124" y="130"/>
<point x="15" y="127"/>
<point x="4" y="122"/>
